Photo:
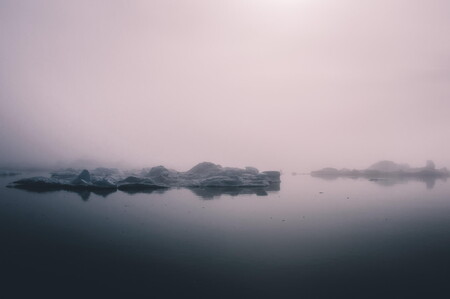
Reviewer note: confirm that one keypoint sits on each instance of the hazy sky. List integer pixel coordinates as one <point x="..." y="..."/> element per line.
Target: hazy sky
<point x="276" y="84"/>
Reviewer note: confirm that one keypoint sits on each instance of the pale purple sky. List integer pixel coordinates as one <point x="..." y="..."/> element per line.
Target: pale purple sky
<point x="276" y="84"/>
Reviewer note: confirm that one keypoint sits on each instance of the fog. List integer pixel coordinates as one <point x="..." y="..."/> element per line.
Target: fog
<point x="276" y="84"/>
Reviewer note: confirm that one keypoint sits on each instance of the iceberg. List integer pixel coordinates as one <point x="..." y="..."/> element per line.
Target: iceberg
<point x="203" y="175"/>
<point x="136" y="183"/>
<point x="386" y="169"/>
<point x="66" y="180"/>
<point x="388" y="173"/>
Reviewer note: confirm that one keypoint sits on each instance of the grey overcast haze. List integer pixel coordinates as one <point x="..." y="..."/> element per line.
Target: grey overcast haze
<point x="291" y="85"/>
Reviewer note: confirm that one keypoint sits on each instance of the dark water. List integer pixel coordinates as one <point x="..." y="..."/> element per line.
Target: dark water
<point x="312" y="239"/>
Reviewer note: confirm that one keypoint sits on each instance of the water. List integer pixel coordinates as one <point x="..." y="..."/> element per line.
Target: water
<point x="313" y="238"/>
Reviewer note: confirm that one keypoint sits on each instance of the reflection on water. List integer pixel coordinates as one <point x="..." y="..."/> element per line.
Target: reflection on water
<point x="309" y="238"/>
<point x="217" y="192"/>
<point x="84" y="194"/>
<point x="204" y="192"/>
<point x="143" y="191"/>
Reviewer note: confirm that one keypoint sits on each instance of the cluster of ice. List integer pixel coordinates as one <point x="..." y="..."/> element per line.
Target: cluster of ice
<point x="387" y="169"/>
<point x="203" y="175"/>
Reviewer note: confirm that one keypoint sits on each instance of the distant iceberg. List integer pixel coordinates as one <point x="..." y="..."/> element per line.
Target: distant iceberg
<point x="203" y="175"/>
<point x="388" y="173"/>
<point x="4" y="173"/>
<point x="386" y="169"/>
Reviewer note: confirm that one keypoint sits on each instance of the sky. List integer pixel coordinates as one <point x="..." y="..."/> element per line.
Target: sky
<point x="275" y="84"/>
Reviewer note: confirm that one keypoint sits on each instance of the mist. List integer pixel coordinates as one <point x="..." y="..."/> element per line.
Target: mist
<point x="292" y="85"/>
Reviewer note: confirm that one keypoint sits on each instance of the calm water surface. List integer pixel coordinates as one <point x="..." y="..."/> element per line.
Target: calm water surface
<point x="313" y="238"/>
